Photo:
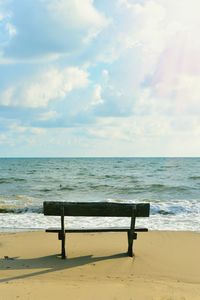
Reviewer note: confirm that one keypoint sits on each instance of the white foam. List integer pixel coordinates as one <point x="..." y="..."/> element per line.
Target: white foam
<point x="31" y="221"/>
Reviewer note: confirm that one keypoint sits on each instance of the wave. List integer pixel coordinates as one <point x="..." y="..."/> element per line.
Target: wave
<point x="171" y="208"/>
<point x="165" y="212"/>
<point x="9" y="209"/>
<point x="99" y="187"/>
<point x="11" y="179"/>
<point x="45" y="190"/>
<point x="195" y="177"/>
<point x="67" y="188"/>
<point x="110" y="176"/>
<point x="164" y="188"/>
<point x="175" y="207"/>
<point x="31" y="171"/>
<point x="13" y="198"/>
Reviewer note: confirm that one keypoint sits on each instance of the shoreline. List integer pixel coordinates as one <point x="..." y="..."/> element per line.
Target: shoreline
<point x="165" y="266"/>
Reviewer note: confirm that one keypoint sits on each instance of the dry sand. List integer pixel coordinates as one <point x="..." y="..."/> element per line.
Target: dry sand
<point x="166" y="266"/>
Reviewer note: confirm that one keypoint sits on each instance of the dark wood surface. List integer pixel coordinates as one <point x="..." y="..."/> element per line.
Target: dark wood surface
<point x="96" y="209"/>
<point x="110" y="229"/>
<point x="101" y="209"/>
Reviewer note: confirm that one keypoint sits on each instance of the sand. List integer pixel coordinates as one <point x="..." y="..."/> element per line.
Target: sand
<point x="166" y="266"/>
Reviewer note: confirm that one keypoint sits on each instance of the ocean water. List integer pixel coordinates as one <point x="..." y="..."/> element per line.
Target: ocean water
<point x="171" y="185"/>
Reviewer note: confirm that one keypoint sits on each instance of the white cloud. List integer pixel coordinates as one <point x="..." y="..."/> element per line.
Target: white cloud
<point x="78" y="14"/>
<point x="20" y="129"/>
<point x="11" y="29"/>
<point x="139" y="71"/>
<point x="136" y="26"/>
<point x="48" y="115"/>
<point x="37" y="131"/>
<point x="3" y="138"/>
<point x="1" y="16"/>
<point x="75" y="13"/>
<point x="3" y="12"/>
<point x="179" y="96"/>
<point x="47" y="27"/>
<point x="49" y="85"/>
<point x="97" y="97"/>
<point x="145" y="127"/>
<point x="14" y="127"/>
<point x="182" y="93"/>
<point x="157" y="59"/>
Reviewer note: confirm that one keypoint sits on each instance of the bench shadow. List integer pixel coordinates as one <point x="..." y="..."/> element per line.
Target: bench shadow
<point x="51" y="264"/>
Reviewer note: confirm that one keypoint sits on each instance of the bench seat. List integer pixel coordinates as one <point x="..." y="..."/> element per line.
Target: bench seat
<point x="109" y="229"/>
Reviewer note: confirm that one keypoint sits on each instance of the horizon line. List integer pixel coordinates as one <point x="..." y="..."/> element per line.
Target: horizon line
<point x="99" y="157"/>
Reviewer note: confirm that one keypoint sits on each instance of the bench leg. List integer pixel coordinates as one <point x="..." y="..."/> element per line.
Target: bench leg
<point x="131" y="237"/>
<point x="63" y="247"/>
<point x="130" y="244"/>
<point x="62" y="235"/>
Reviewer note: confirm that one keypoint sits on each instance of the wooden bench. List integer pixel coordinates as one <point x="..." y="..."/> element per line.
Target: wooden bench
<point x="97" y="209"/>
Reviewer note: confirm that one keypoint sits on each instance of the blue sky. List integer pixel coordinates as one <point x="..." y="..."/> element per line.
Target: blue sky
<point x="99" y="78"/>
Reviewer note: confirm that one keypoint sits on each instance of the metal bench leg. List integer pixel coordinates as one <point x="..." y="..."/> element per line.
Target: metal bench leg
<point x="131" y="236"/>
<point x="62" y="235"/>
<point x="130" y="244"/>
<point x="63" y="247"/>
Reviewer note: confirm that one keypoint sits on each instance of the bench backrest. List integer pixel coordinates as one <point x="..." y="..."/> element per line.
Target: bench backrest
<point x="96" y="209"/>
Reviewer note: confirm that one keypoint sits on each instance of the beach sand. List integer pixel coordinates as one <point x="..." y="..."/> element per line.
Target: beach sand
<point x="166" y="266"/>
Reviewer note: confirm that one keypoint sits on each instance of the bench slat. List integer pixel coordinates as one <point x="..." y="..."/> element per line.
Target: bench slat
<point x="111" y="229"/>
<point x="100" y="209"/>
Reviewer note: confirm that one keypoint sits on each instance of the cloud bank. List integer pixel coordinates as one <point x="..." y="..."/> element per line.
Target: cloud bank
<point x="97" y="78"/>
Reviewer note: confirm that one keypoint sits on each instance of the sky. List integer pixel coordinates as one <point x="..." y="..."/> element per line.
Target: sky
<point x="99" y="78"/>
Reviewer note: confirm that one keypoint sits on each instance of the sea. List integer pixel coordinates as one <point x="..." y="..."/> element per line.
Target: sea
<point x="170" y="185"/>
